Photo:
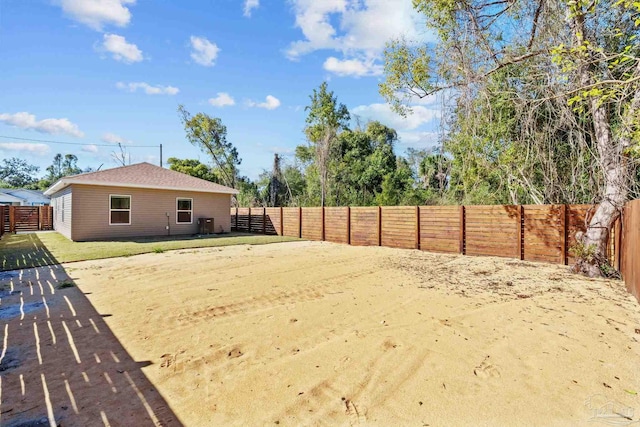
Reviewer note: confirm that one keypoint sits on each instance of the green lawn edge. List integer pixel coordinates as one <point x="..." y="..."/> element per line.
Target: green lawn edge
<point x="18" y="251"/>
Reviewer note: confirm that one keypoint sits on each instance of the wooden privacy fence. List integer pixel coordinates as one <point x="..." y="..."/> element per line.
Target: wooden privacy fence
<point x="532" y="232"/>
<point x="25" y="218"/>
<point x="630" y="247"/>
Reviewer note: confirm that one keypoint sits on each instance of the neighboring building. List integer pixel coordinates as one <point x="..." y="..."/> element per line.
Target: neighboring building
<point x="8" y="199"/>
<point x="26" y="197"/>
<point x="135" y="201"/>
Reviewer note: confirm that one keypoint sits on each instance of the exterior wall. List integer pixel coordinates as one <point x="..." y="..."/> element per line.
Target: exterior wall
<point x="62" y="211"/>
<point x="149" y="210"/>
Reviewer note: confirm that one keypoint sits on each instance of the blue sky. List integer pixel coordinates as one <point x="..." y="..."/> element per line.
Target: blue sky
<point x="98" y="72"/>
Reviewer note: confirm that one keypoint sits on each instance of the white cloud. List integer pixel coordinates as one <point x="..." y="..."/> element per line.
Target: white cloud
<point x="147" y="88"/>
<point x="352" y="67"/>
<point x="25" y="120"/>
<point x="222" y="99"/>
<point x="112" y="138"/>
<point x="204" y="52"/>
<point x="384" y="114"/>
<point x="359" y="28"/>
<point x="419" y="139"/>
<point x="91" y="148"/>
<point x="120" y="49"/>
<point x="97" y="13"/>
<point x="28" y="147"/>
<point x="249" y="5"/>
<point x="271" y="103"/>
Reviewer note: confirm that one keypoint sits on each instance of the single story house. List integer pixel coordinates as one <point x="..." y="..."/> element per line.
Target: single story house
<point x="136" y="201"/>
<point x="27" y="197"/>
<point x="9" y="200"/>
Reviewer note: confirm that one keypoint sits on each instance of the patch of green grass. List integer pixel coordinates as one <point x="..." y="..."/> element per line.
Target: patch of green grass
<point x="66" y="284"/>
<point x="34" y="250"/>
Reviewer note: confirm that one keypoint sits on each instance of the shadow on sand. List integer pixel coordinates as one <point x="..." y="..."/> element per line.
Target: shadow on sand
<point x="60" y="364"/>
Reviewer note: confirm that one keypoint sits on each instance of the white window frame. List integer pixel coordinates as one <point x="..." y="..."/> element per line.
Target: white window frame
<point x="184" y="210"/>
<point x="121" y="210"/>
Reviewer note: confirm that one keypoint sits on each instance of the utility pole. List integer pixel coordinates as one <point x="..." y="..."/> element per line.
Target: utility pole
<point x="160" y="155"/>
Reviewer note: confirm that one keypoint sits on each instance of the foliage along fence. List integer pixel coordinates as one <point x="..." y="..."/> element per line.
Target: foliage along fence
<point x="543" y="233"/>
<point x="25" y="218"/>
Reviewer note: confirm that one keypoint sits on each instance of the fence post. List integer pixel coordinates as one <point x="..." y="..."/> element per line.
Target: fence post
<point x="617" y="244"/>
<point x="12" y="219"/>
<point x="1" y="220"/>
<point x="462" y="230"/>
<point x="563" y="235"/>
<point x="236" y="218"/>
<point x="249" y="221"/>
<point x="348" y="225"/>
<point x="520" y="233"/>
<point x="300" y="222"/>
<point x="264" y="220"/>
<point x="417" y="227"/>
<point x="379" y="225"/>
<point x="281" y="221"/>
<point x="323" y="227"/>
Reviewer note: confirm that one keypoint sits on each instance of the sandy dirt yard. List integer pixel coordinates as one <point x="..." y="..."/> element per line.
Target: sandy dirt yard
<point x="309" y="333"/>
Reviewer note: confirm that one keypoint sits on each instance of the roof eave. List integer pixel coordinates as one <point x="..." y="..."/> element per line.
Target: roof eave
<point x="61" y="184"/>
<point x="11" y="196"/>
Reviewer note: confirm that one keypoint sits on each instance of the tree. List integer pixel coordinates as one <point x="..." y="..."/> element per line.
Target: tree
<point x="191" y="167"/>
<point x="17" y="173"/>
<point x="565" y="75"/>
<point x="55" y="169"/>
<point x="325" y="120"/>
<point x="210" y="135"/>
<point x="434" y="171"/>
<point x="121" y="157"/>
<point x="277" y="191"/>
<point x="70" y="165"/>
<point x="62" y="166"/>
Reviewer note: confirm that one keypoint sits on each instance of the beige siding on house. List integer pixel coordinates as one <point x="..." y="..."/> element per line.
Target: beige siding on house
<point x="62" y="211"/>
<point x="149" y="210"/>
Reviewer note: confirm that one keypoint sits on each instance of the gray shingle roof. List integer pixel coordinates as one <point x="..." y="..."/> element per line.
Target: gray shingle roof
<point x="142" y="175"/>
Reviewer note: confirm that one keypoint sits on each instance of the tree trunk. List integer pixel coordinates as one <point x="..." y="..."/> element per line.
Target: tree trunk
<point x="615" y="173"/>
<point x="591" y="256"/>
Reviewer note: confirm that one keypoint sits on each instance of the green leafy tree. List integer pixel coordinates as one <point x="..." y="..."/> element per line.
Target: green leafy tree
<point x="295" y="184"/>
<point x="326" y="118"/>
<point x="55" y="170"/>
<point x="192" y="167"/>
<point x="70" y="165"/>
<point x="399" y="187"/>
<point x="249" y="195"/>
<point x="535" y="121"/>
<point x="210" y="135"/>
<point x="60" y="167"/>
<point x="17" y="173"/>
<point x="434" y="171"/>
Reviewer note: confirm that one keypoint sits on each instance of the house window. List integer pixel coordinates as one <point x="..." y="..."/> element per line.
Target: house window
<point x="62" y="210"/>
<point x="119" y="210"/>
<point x="184" y="211"/>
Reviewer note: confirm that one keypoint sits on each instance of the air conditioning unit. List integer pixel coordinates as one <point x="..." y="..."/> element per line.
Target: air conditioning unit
<point x="205" y="225"/>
